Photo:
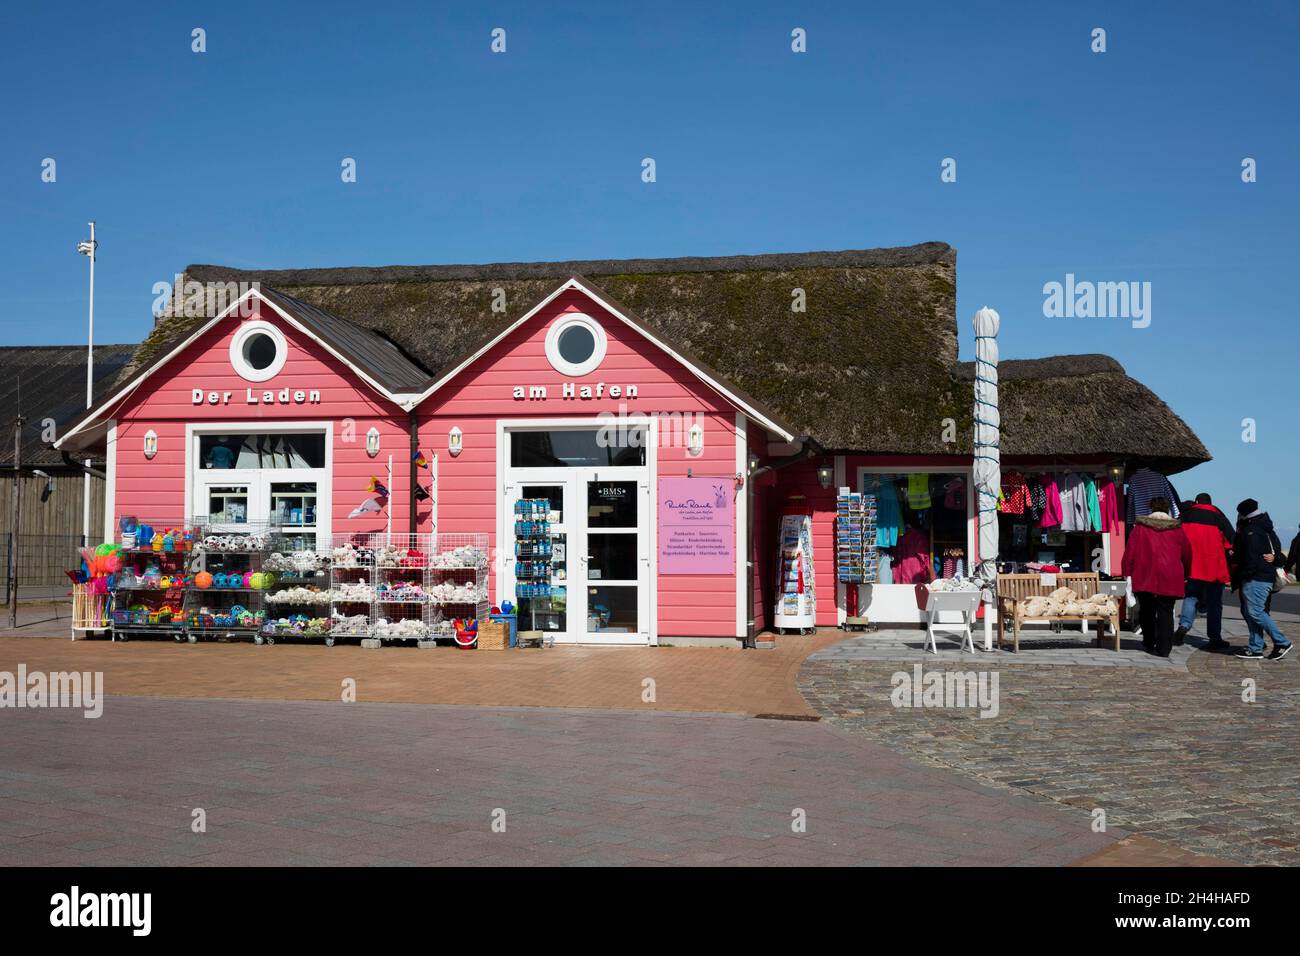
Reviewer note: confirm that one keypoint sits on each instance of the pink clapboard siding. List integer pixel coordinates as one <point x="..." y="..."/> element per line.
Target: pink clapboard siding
<point x="155" y="490"/>
<point x="469" y="489"/>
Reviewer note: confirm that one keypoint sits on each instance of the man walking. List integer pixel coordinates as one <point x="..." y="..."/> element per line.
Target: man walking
<point x="1255" y="550"/>
<point x="1211" y="534"/>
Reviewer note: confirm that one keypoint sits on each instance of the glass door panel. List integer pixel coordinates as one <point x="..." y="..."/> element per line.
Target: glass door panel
<point x="550" y="613"/>
<point x="611" y="566"/>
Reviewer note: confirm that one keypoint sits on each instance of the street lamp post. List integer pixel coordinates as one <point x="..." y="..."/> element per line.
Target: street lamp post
<point x="88" y="249"/>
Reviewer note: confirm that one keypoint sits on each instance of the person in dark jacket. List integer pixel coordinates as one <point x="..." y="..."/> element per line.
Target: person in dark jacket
<point x="1292" y="566"/>
<point x="1158" y="558"/>
<point x="1210" y="533"/>
<point x="1256" y="554"/>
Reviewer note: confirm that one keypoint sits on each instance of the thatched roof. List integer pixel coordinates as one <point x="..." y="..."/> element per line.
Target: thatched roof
<point x="49" y="382"/>
<point x="870" y="366"/>
<point x="1087" y="403"/>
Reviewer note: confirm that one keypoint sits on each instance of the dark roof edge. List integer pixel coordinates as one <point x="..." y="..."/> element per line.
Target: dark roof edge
<point x="1052" y="366"/>
<point x="927" y="253"/>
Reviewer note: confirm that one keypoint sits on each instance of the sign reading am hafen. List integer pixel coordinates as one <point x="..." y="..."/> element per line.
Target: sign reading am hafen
<point x="697" y="532"/>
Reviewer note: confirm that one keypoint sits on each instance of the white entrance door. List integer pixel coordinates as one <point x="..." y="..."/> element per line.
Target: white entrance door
<point x="599" y="589"/>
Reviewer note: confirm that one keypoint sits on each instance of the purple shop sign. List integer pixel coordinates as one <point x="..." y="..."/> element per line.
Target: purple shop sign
<point x="697" y="531"/>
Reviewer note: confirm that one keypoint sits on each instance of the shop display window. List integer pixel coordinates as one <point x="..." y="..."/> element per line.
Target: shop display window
<point x="578" y="447"/>
<point x="922" y="522"/>
<point x="258" y="452"/>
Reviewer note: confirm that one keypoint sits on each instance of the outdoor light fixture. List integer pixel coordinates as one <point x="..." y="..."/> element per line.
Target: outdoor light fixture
<point x="695" y="440"/>
<point x="1116" y="474"/>
<point x="454" y="442"/>
<point x="150" y="444"/>
<point x="372" y="442"/>
<point x="824" y="475"/>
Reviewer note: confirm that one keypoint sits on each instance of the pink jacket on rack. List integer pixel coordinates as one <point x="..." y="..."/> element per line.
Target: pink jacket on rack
<point x="1052" y="512"/>
<point x="912" y="558"/>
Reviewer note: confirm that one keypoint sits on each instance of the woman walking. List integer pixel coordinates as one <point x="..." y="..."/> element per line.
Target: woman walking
<point x="1158" y="558"/>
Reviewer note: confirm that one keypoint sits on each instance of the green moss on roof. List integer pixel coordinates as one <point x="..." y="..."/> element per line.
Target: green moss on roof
<point x="870" y="366"/>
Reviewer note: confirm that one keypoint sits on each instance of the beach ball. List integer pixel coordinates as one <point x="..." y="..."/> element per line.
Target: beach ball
<point x="203" y="580"/>
<point x="104" y="550"/>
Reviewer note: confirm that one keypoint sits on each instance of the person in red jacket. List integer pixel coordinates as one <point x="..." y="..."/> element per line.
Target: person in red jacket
<point x="1158" y="558"/>
<point x="1210" y="533"/>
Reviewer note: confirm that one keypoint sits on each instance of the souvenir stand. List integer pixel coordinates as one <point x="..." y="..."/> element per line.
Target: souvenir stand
<point x="148" y="593"/>
<point x="402" y="608"/>
<point x="351" y="587"/>
<point x="796" y="601"/>
<point x="458" y="581"/>
<point x="298" y="595"/>
<point x="225" y="591"/>
<point x="540" y="582"/>
<point x="855" y="550"/>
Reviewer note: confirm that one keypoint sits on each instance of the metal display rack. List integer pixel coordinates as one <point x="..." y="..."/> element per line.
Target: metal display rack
<point x="352" y="588"/>
<point x="403" y="609"/>
<point x="147" y="595"/>
<point x="298" y="599"/>
<point x="458" y="580"/>
<point x="233" y="605"/>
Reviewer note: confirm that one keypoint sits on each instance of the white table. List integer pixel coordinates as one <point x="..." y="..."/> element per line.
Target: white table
<point x="964" y="603"/>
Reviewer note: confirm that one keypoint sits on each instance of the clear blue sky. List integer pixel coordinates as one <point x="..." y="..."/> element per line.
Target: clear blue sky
<point x="1117" y="166"/>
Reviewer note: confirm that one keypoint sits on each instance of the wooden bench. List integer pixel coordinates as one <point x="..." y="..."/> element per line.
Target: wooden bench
<point x="1015" y="589"/>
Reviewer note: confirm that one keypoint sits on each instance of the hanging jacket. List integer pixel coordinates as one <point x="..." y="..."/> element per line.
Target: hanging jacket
<point x="1074" y="504"/>
<point x="912" y="562"/>
<point x="1015" y="494"/>
<point x="1211" y="536"/>
<point x="1052" y="510"/>
<point x="889" y="517"/>
<point x="1158" y="556"/>
<point x="1108" y="501"/>
<point x="1094" y="503"/>
<point x="1145" y="484"/>
<point x="918" y="491"/>
<point x="1255" y="538"/>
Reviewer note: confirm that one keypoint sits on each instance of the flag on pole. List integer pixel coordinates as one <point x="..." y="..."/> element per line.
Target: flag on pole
<point x="420" y="460"/>
<point x="377" y="487"/>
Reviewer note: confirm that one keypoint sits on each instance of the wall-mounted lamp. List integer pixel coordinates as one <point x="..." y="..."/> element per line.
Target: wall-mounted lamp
<point x="372" y="442"/>
<point x="455" y="442"/>
<point x="1116" y="474"/>
<point x="150" y="444"/>
<point x="825" y="474"/>
<point x="695" y="440"/>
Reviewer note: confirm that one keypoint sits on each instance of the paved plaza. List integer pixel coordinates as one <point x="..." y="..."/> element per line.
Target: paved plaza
<point x="1166" y="747"/>
<point x="589" y="769"/>
<point x="331" y="783"/>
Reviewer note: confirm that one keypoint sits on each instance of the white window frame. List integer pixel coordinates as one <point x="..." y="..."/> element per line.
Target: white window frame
<point x="559" y="327"/>
<point x="259" y="497"/>
<point x="240" y="340"/>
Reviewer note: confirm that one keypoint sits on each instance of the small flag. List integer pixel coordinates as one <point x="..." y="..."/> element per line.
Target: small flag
<point x="420" y="460"/>
<point x="369" y="506"/>
<point x="420" y="493"/>
<point x="377" y="487"/>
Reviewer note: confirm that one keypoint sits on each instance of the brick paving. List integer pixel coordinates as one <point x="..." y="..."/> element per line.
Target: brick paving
<point x="685" y="678"/>
<point x="331" y="783"/>
<point x="1167" y="749"/>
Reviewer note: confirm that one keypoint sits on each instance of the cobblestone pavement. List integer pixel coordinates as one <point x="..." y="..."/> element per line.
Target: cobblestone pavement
<point x="310" y="782"/>
<point x="1168" y="749"/>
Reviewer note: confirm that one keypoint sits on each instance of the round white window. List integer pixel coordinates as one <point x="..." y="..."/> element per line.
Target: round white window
<point x="575" y="344"/>
<point x="258" y="351"/>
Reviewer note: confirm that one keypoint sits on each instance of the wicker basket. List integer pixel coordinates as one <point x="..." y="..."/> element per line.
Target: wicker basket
<point x="493" y="635"/>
